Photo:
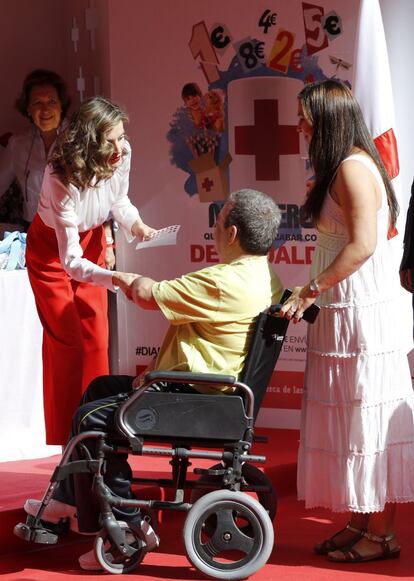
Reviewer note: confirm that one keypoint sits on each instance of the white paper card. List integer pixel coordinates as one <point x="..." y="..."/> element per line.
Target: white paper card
<point x="164" y="237"/>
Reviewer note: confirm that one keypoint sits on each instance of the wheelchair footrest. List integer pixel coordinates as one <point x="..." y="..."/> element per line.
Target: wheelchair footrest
<point x="35" y="534"/>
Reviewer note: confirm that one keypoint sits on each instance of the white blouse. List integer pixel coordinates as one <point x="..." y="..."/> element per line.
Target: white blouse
<point x="69" y="211"/>
<point x="25" y="159"/>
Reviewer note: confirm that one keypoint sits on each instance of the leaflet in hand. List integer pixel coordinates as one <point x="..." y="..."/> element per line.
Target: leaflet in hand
<point x="164" y="237"/>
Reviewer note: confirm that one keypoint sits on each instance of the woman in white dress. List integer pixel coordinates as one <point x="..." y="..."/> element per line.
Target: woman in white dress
<point x="356" y="450"/>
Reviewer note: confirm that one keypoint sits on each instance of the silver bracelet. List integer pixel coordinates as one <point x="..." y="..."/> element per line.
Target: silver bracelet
<point x="314" y="288"/>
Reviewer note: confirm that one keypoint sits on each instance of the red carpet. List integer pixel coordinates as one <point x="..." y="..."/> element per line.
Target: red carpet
<point x="292" y="559"/>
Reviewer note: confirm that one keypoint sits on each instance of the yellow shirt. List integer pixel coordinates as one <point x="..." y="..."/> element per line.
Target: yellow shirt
<point x="211" y="314"/>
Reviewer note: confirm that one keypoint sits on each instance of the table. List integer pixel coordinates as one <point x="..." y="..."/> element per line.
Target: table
<point x="22" y="432"/>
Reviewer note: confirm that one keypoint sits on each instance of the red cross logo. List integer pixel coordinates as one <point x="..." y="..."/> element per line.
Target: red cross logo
<point x="266" y="139"/>
<point x="207" y="184"/>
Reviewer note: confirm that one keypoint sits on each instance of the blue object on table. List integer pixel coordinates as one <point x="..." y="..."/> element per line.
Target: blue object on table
<point x="14" y="244"/>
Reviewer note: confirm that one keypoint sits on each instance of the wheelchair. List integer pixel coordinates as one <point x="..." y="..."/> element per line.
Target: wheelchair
<point x="228" y="533"/>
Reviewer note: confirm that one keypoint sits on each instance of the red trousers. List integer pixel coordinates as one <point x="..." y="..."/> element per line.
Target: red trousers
<point x="74" y="317"/>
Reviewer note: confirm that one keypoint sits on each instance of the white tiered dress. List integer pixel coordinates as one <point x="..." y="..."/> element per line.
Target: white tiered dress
<point x="357" y="434"/>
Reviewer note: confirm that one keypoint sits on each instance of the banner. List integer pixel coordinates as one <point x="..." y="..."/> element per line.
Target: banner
<point x="229" y="117"/>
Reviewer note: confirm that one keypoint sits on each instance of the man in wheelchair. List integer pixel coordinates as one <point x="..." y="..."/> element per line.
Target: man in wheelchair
<point x="211" y="314"/>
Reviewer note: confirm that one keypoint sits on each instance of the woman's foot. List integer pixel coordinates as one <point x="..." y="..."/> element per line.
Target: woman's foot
<point x="369" y="548"/>
<point x="343" y="539"/>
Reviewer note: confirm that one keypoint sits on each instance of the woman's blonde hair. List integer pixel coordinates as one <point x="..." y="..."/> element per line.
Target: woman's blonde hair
<point x="82" y="153"/>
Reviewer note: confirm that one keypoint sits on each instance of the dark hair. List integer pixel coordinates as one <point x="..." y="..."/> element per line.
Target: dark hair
<point x="338" y="126"/>
<point x="191" y="90"/>
<point x="40" y="77"/>
<point x="81" y="155"/>
<point x="257" y="218"/>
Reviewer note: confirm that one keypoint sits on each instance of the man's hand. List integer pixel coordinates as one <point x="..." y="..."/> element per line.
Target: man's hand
<point x="141" y="292"/>
<point x="124" y="281"/>
<point x="137" y="288"/>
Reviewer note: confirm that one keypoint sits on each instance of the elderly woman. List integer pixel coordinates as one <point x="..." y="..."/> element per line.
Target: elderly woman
<point x="45" y="102"/>
<point x="86" y="180"/>
<point x="356" y="452"/>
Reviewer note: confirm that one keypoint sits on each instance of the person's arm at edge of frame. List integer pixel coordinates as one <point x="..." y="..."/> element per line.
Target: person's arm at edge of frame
<point x="407" y="261"/>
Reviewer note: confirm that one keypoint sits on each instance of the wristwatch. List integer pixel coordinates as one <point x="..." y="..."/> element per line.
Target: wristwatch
<point x="315" y="291"/>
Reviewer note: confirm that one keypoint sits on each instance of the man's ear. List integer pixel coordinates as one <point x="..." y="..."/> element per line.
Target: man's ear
<point x="232" y="234"/>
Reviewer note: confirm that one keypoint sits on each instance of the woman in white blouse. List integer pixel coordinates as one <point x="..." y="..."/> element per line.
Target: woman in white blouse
<point x="86" y="180"/>
<point x="44" y="101"/>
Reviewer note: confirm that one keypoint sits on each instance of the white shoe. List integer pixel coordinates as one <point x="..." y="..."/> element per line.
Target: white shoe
<point x="54" y="512"/>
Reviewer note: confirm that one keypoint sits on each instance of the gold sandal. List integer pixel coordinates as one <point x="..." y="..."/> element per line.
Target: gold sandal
<point x="329" y="545"/>
<point x="353" y="556"/>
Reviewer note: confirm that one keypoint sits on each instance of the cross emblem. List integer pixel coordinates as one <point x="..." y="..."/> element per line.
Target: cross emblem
<point x="266" y="139"/>
<point x="207" y="184"/>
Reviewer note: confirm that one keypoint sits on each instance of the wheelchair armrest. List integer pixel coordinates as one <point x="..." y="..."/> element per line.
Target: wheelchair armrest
<point x="189" y="377"/>
<point x="211" y="379"/>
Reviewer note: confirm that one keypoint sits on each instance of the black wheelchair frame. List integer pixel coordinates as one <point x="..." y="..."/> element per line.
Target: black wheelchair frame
<point x="228" y="534"/>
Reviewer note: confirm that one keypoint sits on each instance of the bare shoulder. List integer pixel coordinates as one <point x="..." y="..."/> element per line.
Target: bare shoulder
<point x="355" y="179"/>
<point x="356" y="172"/>
<point x="361" y="165"/>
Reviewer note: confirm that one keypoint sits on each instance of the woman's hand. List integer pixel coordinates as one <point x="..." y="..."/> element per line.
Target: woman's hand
<point x="300" y="299"/>
<point x="109" y="258"/>
<point x="142" y="231"/>
<point x="124" y="280"/>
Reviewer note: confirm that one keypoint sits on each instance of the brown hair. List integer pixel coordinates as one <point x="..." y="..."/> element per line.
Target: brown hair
<point x="338" y="126"/>
<point x="82" y="153"/>
<point x="41" y="77"/>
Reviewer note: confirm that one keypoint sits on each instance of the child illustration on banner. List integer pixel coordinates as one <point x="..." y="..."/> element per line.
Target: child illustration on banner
<point x="196" y="130"/>
<point x="192" y="97"/>
<point x="207" y="115"/>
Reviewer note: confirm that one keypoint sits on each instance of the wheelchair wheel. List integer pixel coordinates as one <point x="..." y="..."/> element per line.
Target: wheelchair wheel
<point x="239" y="543"/>
<point x="253" y="477"/>
<point x="109" y="557"/>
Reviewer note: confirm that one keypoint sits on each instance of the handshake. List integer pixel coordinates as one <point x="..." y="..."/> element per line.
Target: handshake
<point x="137" y="288"/>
